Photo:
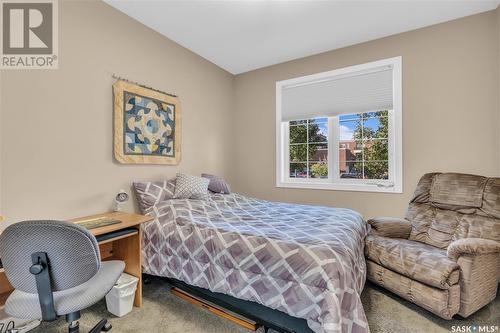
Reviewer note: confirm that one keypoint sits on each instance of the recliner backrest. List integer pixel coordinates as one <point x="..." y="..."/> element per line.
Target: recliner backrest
<point x="450" y="206"/>
<point x="72" y="251"/>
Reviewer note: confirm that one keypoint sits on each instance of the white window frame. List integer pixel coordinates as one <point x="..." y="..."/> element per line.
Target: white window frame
<point x="395" y="182"/>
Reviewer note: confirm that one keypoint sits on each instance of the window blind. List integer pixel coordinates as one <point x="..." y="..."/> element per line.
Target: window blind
<point x="355" y="93"/>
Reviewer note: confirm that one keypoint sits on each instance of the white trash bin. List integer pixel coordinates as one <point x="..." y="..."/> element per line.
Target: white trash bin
<point x="120" y="300"/>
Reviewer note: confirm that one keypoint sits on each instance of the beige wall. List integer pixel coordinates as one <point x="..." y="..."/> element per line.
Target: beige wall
<point x="56" y="129"/>
<point x="56" y="126"/>
<point x="450" y="111"/>
<point x="1" y="130"/>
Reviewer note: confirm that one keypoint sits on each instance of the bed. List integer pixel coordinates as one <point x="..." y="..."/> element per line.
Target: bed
<point x="306" y="261"/>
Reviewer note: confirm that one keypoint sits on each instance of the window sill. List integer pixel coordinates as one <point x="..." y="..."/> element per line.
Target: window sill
<point x="364" y="187"/>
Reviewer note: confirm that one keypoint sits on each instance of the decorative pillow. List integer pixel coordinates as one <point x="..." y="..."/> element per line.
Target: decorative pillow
<point x="191" y="187"/>
<point x="151" y="193"/>
<point x="217" y="184"/>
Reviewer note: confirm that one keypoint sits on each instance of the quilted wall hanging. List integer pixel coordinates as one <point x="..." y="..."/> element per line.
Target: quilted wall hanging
<point x="147" y="125"/>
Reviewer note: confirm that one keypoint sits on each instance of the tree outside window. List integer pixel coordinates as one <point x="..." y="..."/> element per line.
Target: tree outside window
<point x="309" y="148"/>
<point x="364" y="145"/>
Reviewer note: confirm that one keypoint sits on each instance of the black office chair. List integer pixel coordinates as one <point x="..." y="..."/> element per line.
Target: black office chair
<point x="56" y="270"/>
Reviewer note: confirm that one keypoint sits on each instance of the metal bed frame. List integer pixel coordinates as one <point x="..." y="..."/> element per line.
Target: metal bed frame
<point x="263" y="316"/>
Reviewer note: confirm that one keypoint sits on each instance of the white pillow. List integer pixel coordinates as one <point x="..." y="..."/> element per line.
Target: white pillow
<point x="191" y="187"/>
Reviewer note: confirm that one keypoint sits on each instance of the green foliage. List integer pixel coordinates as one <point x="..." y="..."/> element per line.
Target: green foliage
<point x="301" y="147"/>
<point x="298" y="140"/>
<point x="319" y="170"/>
<point x="298" y="153"/>
<point x="298" y="134"/>
<point x="375" y="152"/>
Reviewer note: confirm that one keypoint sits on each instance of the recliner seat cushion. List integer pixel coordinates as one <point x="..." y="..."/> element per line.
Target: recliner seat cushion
<point x="415" y="260"/>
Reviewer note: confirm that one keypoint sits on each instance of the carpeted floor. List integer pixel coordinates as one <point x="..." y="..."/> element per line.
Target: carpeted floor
<point x="164" y="313"/>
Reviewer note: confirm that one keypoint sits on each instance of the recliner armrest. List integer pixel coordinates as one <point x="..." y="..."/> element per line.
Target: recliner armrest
<point x="391" y="227"/>
<point x="472" y="246"/>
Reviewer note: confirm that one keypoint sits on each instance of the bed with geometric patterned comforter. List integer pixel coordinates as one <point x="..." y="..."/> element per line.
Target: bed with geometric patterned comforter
<point x="306" y="261"/>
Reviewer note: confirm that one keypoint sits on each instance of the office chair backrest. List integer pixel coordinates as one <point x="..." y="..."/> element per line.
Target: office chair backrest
<point x="72" y="251"/>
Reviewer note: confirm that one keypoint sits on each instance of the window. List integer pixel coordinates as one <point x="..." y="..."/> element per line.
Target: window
<point x="308" y="146"/>
<point x="341" y="130"/>
<point x="364" y="145"/>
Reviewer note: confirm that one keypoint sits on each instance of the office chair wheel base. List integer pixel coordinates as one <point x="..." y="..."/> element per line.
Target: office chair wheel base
<point x="107" y="327"/>
<point x="102" y="326"/>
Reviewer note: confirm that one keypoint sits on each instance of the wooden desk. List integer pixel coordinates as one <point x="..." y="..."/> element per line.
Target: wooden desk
<point x="126" y="247"/>
<point x="5" y="288"/>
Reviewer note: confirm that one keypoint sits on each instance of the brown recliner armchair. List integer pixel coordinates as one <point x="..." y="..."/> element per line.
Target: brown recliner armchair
<point x="445" y="255"/>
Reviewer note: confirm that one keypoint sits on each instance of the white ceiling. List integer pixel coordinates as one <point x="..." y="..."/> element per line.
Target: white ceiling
<point x="240" y="36"/>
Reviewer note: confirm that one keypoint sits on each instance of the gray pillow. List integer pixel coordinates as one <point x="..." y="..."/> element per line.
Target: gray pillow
<point x="151" y="193"/>
<point x="191" y="187"/>
<point x="217" y="184"/>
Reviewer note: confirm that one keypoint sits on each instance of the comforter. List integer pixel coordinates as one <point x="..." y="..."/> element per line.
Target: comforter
<point x="304" y="260"/>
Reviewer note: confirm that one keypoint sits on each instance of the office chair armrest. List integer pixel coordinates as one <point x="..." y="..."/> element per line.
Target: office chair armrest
<point x="41" y="270"/>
